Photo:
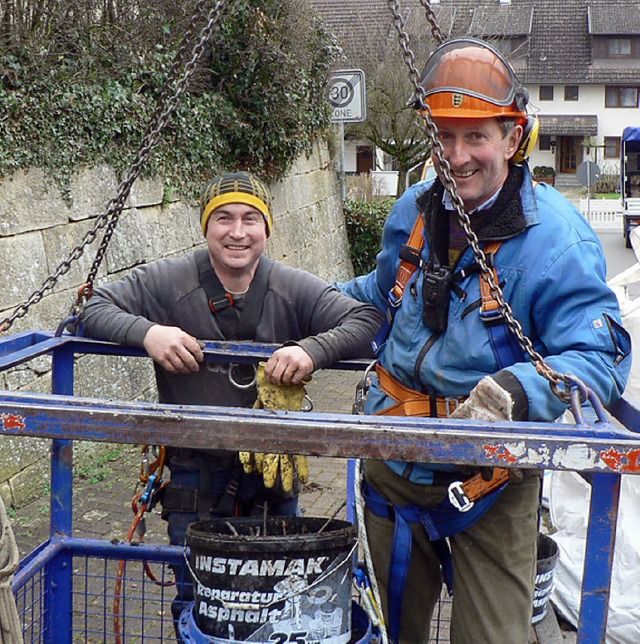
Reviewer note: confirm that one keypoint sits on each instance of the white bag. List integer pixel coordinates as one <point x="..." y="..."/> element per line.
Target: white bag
<point x="569" y="506"/>
<point x="569" y="495"/>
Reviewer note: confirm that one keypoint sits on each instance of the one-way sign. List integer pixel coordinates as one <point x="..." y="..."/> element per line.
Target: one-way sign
<point x="347" y="95"/>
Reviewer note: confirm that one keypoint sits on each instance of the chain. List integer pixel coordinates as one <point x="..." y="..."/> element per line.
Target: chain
<point x="433" y="21"/>
<point x="166" y="106"/>
<point x="555" y="379"/>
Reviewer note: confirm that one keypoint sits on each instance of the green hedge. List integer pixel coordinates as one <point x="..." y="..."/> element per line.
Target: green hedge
<point x="82" y="92"/>
<point x="365" y="221"/>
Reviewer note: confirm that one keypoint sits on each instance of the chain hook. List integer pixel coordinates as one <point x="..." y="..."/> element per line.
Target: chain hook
<point x="576" y="393"/>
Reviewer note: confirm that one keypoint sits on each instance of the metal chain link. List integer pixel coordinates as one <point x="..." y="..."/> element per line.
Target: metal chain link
<point x="433" y="21"/>
<point x="166" y="106"/>
<point x="554" y="378"/>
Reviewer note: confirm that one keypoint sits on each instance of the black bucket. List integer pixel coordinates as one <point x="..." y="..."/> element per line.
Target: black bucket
<point x="293" y="582"/>
<point x="189" y="633"/>
<point x="545" y="569"/>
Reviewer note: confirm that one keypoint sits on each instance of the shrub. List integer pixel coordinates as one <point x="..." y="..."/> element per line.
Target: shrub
<point x="609" y="180"/>
<point x="80" y="79"/>
<point x="543" y="171"/>
<point x="365" y="221"/>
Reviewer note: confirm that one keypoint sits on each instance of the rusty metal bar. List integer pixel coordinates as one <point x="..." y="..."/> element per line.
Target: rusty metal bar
<point x="597" y="448"/>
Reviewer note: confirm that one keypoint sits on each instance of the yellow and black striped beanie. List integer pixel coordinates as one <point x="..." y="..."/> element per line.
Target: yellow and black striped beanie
<point x="235" y="187"/>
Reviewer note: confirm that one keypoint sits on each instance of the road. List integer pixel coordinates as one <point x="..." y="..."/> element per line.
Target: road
<point x="618" y="257"/>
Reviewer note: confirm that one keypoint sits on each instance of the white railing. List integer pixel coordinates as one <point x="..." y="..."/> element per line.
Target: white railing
<point x="602" y="214"/>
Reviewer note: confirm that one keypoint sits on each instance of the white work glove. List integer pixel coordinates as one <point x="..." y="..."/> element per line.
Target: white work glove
<point x="487" y="401"/>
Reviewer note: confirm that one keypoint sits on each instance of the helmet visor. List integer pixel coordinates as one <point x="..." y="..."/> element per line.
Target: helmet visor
<point x="471" y="68"/>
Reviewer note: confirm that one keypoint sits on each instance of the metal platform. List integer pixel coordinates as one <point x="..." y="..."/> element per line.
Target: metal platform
<point x="56" y="585"/>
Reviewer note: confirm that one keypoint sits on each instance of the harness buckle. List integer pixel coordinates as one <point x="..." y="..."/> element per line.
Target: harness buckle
<point x="456" y="403"/>
<point x="221" y="304"/>
<point x="458" y="497"/>
<point x="150" y="493"/>
<point x="492" y="318"/>
<point x="362" y="389"/>
<point x="394" y="300"/>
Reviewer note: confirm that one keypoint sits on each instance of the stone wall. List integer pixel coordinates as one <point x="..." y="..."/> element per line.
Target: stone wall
<point x="39" y="229"/>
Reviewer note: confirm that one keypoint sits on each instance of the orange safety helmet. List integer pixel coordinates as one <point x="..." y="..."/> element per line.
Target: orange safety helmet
<point x="468" y="78"/>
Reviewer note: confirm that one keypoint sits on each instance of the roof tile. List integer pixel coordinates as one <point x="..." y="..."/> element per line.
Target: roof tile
<point x="558" y="31"/>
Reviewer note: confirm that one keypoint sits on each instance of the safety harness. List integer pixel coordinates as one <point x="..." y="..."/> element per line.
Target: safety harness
<point x="467" y="500"/>
<point x="234" y="324"/>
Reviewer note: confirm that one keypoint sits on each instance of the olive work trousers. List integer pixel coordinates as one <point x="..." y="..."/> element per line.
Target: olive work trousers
<point x="494" y="562"/>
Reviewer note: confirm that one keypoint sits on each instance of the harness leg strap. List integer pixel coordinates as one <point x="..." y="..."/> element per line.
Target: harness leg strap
<point x="399" y="570"/>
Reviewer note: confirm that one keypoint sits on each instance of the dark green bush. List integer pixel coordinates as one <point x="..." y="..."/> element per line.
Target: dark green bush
<point x="80" y="80"/>
<point x="365" y="221"/>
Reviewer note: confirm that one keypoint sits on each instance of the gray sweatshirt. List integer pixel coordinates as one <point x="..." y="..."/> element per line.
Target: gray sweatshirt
<point x="298" y="307"/>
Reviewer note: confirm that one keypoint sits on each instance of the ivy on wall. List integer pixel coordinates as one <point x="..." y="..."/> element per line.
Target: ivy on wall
<point x="82" y="93"/>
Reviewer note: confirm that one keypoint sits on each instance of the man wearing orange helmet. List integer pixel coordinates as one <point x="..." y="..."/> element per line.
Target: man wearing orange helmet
<point x="444" y="352"/>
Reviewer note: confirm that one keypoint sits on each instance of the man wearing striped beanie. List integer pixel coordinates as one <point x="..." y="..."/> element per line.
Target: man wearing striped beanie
<point x="228" y="291"/>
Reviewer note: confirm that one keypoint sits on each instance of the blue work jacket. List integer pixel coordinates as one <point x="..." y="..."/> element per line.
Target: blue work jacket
<point x="553" y="273"/>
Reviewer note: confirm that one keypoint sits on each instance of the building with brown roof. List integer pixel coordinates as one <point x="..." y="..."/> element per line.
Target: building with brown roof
<point x="579" y="59"/>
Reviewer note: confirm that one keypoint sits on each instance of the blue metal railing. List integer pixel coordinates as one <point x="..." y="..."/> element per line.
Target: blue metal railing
<point x="600" y="450"/>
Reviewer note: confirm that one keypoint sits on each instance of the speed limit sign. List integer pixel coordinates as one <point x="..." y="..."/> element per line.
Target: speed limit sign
<point x="346" y="95"/>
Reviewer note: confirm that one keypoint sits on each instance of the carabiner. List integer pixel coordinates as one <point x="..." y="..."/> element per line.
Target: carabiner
<point x="155" y="467"/>
<point x="237" y="384"/>
<point x="362" y="389"/>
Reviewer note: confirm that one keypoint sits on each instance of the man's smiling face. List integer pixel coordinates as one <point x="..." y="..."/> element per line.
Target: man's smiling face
<point x="236" y="238"/>
<point x="478" y="152"/>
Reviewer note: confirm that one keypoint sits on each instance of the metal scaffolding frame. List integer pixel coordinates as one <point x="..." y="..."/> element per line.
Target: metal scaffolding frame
<point x="601" y="450"/>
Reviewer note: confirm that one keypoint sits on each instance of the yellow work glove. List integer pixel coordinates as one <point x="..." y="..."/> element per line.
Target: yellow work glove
<point x="272" y="466"/>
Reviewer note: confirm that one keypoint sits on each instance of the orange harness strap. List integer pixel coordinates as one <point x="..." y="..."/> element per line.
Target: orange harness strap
<point x="476" y="489"/>
<point x="489" y="302"/>
<point x="406" y="268"/>
<point x="410" y="402"/>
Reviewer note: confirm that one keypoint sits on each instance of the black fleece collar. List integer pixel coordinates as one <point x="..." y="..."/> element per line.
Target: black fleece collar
<point x="503" y="220"/>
